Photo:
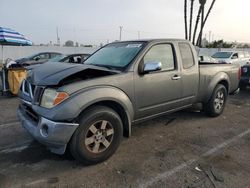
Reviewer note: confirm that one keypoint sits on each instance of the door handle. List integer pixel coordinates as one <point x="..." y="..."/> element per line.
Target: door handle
<point x="176" y="77"/>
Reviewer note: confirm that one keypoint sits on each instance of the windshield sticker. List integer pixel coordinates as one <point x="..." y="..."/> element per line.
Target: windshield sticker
<point x="133" y="46"/>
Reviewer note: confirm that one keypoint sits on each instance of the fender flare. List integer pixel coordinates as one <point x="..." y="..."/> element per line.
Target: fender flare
<point x="219" y="77"/>
<point x="71" y="108"/>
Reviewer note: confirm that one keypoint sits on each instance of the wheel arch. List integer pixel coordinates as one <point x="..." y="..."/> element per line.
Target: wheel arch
<point x="117" y="107"/>
<point x="111" y="97"/>
<point x="220" y="78"/>
<point x="225" y="83"/>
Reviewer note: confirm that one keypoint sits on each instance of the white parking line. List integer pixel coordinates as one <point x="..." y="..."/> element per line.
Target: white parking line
<point x="9" y="124"/>
<point x="33" y="183"/>
<point x="15" y="147"/>
<point x="176" y="169"/>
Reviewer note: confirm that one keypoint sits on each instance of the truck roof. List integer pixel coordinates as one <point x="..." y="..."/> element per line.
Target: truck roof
<point x="156" y="40"/>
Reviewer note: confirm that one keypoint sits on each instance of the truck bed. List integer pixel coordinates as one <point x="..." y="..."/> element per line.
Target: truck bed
<point x="209" y="72"/>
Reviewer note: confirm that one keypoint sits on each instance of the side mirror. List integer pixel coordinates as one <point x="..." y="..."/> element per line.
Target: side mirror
<point x="234" y="57"/>
<point x="152" y="67"/>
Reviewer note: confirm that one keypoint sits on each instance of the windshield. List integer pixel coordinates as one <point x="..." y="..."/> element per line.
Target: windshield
<point x="31" y="56"/>
<point x="57" y="58"/>
<point x="116" y="55"/>
<point x="222" y="55"/>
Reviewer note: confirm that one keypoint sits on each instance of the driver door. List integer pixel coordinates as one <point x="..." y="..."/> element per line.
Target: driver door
<point x="159" y="91"/>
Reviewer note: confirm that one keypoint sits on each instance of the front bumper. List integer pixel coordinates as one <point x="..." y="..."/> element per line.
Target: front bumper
<point x="55" y="135"/>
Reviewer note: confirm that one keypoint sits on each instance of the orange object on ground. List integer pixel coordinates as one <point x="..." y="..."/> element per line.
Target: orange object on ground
<point x="15" y="78"/>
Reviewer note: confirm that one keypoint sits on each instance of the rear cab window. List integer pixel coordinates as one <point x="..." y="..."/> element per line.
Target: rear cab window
<point x="186" y="55"/>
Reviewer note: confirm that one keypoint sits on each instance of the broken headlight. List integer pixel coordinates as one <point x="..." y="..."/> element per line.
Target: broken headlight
<point x="52" y="98"/>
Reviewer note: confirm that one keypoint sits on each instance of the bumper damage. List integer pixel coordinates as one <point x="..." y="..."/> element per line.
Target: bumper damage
<point x="54" y="135"/>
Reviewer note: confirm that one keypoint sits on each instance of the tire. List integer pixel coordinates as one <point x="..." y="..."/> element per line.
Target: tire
<point x="98" y="135"/>
<point x="216" y="103"/>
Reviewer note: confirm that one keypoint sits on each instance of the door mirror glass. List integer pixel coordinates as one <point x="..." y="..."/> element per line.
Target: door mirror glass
<point x="152" y="67"/>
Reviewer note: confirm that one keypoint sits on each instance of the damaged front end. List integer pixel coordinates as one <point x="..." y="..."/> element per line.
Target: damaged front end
<point x="86" y="74"/>
<point x="40" y="98"/>
<point x="53" y="74"/>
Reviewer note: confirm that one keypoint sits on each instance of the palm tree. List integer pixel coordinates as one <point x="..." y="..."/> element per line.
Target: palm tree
<point x="196" y="24"/>
<point x="204" y="22"/>
<point x="202" y="5"/>
<point x="191" y="19"/>
<point x="185" y="19"/>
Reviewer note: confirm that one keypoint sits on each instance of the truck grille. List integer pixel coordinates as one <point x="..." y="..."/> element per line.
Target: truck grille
<point x="30" y="112"/>
<point x="32" y="91"/>
<point x="38" y="94"/>
<point x="27" y="89"/>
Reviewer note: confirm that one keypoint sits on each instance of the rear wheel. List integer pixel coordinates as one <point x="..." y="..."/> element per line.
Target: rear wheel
<point x="216" y="104"/>
<point x="98" y="135"/>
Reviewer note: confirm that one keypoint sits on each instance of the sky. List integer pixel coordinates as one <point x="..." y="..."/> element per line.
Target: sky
<point x="98" y="21"/>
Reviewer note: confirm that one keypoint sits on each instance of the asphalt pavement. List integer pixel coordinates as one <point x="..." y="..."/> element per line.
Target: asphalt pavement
<point x="184" y="149"/>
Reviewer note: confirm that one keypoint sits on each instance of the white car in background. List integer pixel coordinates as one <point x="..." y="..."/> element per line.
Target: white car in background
<point x="207" y="59"/>
<point x="241" y="57"/>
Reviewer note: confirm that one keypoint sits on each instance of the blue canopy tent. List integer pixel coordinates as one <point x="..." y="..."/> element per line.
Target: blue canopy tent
<point x="12" y="38"/>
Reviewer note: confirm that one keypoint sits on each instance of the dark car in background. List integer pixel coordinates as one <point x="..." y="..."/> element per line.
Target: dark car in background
<point x="245" y="77"/>
<point x="38" y="58"/>
<point x="70" y="58"/>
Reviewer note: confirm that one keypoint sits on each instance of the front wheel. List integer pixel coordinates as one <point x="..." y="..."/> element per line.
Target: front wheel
<point x="216" y="104"/>
<point x="98" y="135"/>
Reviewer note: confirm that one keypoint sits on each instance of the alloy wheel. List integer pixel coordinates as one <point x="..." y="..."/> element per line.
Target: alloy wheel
<point x="219" y="100"/>
<point x="99" y="136"/>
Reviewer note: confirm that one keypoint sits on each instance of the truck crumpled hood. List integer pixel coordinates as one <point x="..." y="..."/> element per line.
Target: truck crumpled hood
<point x="53" y="73"/>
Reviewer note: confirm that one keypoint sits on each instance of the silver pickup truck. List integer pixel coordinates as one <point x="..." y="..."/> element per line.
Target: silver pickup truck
<point x="89" y="107"/>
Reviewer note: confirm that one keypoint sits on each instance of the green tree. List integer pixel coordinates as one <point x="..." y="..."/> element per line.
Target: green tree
<point x="219" y="44"/>
<point x="69" y="43"/>
<point x="246" y="46"/>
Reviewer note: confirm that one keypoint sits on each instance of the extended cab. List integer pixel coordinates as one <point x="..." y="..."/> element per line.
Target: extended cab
<point x="89" y="107"/>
